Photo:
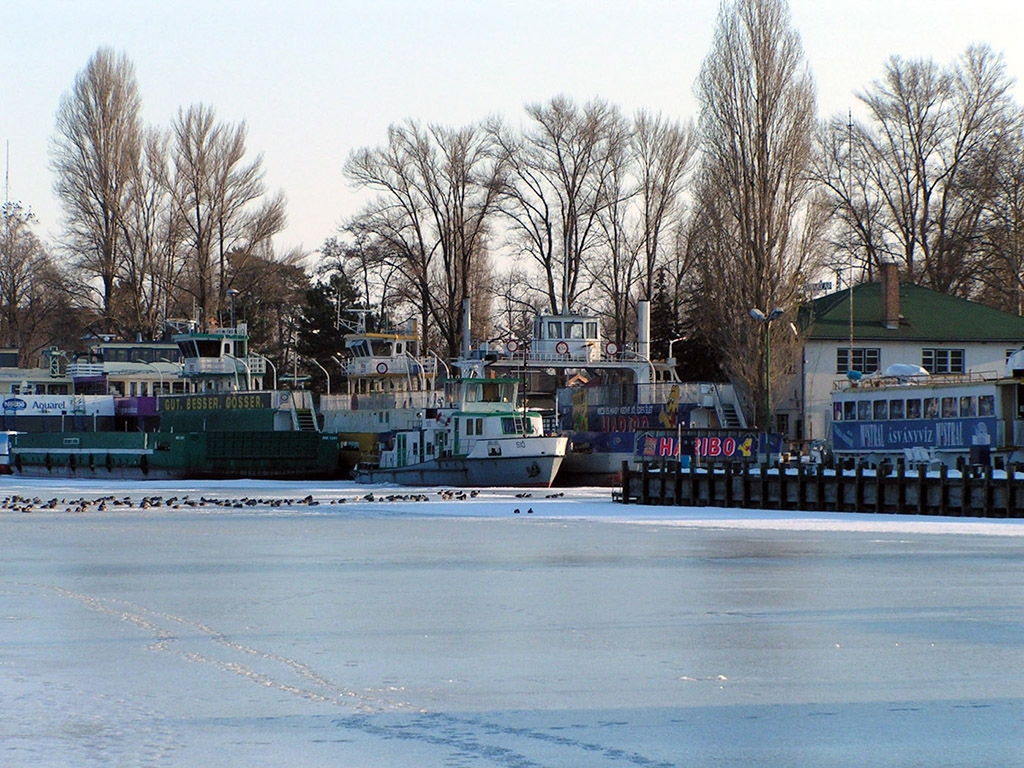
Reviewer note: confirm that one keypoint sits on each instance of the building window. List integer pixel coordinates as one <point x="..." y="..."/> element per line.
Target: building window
<point x="865" y="359"/>
<point x="942" y="360"/>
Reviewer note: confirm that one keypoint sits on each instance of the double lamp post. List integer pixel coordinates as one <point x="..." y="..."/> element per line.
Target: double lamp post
<point x="766" y="321"/>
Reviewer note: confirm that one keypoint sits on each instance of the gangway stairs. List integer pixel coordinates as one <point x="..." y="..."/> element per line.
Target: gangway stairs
<point x="729" y="417"/>
<point x="305" y="420"/>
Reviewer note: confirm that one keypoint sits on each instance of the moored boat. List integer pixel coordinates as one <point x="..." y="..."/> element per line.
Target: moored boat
<point x="605" y="400"/>
<point x="388" y="384"/>
<point x="477" y="437"/>
<point x="925" y="419"/>
<point x="221" y="424"/>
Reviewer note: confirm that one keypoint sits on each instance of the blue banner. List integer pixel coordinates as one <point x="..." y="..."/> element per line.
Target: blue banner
<point x="959" y="434"/>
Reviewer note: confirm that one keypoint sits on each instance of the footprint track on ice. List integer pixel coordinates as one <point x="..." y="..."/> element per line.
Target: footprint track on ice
<point x="184" y="638"/>
<point x="200" y="643"/>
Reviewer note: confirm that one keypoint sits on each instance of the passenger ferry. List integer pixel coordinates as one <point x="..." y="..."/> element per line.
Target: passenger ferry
<point x="205" y="415"/>
<point x="388" y="385"/>
<point x="607" y="401"/>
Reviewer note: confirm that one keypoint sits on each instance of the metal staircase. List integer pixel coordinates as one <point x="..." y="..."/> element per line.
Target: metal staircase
<point x="729" y="417"/>
<point x="305" y="421"/>
<point x="727" y="407"/>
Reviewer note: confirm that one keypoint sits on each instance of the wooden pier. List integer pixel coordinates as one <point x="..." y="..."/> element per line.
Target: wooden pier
<point x="974" y="492"/>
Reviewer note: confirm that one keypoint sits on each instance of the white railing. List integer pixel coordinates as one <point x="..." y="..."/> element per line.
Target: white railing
<point x="384" y="366"/>
<point x="81" y="370"/>
<point x="381" y="401"/>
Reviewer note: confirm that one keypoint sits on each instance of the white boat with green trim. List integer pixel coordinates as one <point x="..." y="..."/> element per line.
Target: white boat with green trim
<point x="475" y="437"/>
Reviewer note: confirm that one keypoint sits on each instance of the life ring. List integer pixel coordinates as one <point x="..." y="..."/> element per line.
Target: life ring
<point x="611" y="348"/>
<point x="512" y="345"/>
<point x="562" y="348"/>
<point x="382" y="367"/>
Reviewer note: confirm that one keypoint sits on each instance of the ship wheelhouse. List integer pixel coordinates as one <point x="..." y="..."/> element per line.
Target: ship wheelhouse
<point x="566" y="337"/>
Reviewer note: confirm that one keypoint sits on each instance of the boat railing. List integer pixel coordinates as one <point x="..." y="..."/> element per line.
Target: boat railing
<point x="389" y="366"/>
<point x="932" y="380"/>
<point x="555" y="357"/>
<point x="241" y="330"/>
<point x="78" y="370"/>
<point x="380" y="401"/>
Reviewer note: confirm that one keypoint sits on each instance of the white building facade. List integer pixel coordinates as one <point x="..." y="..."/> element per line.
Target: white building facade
<point x="891" y="324"/>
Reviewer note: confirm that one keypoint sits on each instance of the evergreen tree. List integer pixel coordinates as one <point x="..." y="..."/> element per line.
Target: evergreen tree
<point x="664" y="322"/>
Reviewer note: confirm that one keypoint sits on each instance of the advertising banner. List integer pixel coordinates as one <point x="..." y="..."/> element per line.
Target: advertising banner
<point x="57" y="405"/>
<point x="896" y="435"/>
<point x="713" y="445"/>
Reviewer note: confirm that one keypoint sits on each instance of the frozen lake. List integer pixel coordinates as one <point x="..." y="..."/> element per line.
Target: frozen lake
<point x="260" y="630"/>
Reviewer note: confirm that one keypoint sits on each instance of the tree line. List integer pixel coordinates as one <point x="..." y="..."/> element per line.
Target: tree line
<point x="159" y="223"/>
<point x="737" y="210"/>
<point x="577" y="207"/>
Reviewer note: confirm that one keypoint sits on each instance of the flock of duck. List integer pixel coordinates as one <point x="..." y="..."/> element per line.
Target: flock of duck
<point x="24" y="504"/>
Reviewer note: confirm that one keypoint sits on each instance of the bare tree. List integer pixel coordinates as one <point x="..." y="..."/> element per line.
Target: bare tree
<point x="219" y="199"/>
<point x="150" y="234"/>
<point x="757" y="116"/>
<point x="1002" y="273"/>
<point x="663" y="150"/>
<point x="926" y="154"/>
<point x="557" y="184"/>
<point x="858" y="236"/>
<point x="95" y="154"/>
<point x="436" y="192"/>
<point x="25" y="268"/>
<point x="614" y="263"/>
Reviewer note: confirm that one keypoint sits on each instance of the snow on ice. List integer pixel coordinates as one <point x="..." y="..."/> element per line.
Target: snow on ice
<point x="261" y="623"/>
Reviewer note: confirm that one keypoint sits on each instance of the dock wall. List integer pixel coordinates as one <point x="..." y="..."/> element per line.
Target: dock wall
<point x="974" y="492"/>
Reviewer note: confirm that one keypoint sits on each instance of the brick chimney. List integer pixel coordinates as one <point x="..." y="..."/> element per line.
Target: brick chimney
<point x="890" y="295"/>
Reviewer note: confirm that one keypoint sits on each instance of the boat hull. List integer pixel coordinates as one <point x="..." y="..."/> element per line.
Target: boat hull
<point x="603" y="469"/>
<point x="464" y="472"/>
<point x="173" y="455"/>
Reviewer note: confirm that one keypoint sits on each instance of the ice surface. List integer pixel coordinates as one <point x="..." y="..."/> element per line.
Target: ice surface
<point x="261" y="629"/>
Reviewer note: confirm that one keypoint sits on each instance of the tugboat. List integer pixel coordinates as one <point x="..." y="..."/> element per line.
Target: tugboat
<point x="477" y="437"/>
<point x="224" y="425"/>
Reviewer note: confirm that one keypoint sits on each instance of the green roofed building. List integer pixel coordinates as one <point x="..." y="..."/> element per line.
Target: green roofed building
<point x="892" y="323"/>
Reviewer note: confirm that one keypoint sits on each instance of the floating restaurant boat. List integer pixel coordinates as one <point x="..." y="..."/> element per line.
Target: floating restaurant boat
<point x="931" y="419"/>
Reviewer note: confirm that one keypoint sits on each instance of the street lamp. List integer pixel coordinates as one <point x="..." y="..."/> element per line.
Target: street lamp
<point x="179" y="366"/>
<point x="766" y="320"/>
<point x="248" y="372"/>
<point x="155" y="367"/>
<point x="316" y="362"/>
<point x="273" y="368"/>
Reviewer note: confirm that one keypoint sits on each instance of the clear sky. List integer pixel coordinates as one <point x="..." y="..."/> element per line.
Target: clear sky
<point x="317" y="79"/>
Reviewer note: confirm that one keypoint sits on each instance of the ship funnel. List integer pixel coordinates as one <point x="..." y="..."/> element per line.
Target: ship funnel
<point x="643" y="331"/>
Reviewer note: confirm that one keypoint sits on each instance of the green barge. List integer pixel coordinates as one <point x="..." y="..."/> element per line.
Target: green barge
<point x="212" y="420"/>
<point x="170" y="455"/>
